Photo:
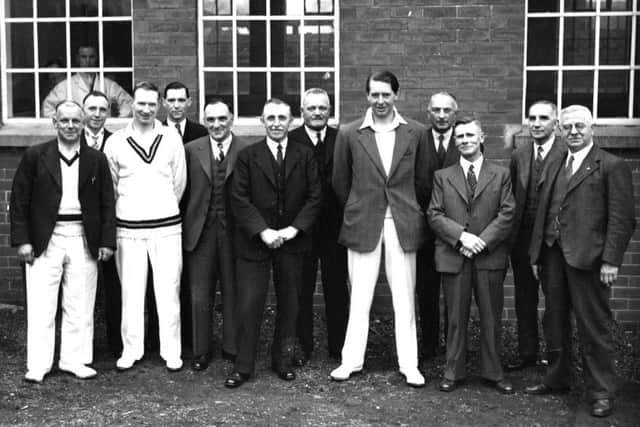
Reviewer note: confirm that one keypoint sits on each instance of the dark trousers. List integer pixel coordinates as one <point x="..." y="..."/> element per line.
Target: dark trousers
<point x="486" y="286"/>
<point x="211" y="262"/>
<point x="567" y="288"/>
<point x="526" y="295"/>
<point x="333" y="260"/>
<point x="428" y="291"/>
<point x="109" y="283"/>
<point x="252" y="278"/>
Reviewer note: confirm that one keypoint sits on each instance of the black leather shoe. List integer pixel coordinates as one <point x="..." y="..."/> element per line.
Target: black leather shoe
<point x="602" y="408"/>
<point x="447" y="385"/>
<point x="235" y="379"/>
<point x="200" y="363"/>
<point x="228" y="356"/>
<point x="542" y="389"/>
<point x="503" y="386"/>
<point x="299" y="361"/>
<point x="520" y="365"/>
<point x="284" y="373"/>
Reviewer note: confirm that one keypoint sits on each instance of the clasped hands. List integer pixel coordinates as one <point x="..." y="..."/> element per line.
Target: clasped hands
<point x="276" y="238"/>
<point x="26" y="254"/>
<point x="471" y="245"/>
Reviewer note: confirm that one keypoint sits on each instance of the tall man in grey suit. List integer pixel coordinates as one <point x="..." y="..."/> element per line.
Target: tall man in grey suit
<point x="471" y="213"/>
<point x="207" y="231"/>
<point x="381" y="177"/>
<point x="528" y="165"/>
<point x="583" y="224"/>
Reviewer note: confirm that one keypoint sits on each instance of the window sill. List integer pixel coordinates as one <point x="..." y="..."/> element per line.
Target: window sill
<point x="606" y="136"/>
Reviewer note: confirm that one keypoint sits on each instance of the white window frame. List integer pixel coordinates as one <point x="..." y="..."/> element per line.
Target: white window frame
<point x="4" y="51"/>
<point x="596" y="67"/>
<point x="268" y="69"/>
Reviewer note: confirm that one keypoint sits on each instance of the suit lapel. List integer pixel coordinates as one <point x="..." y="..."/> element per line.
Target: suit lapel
<point x="291" y="159"/>
<point x="204" y="156"/>
<point x="263" y="158"/>
<point x="453" y="154"/>
<point x="525" y="159"/>
<point x="589" y="165"/>
<point x="232" y="154"/>
<point x="51" y="159"/>
<point x="486" y="176"/>
<point x="85" y="166"/>
<point x="402" y="140"/>
<point x="458" y="182"/>
<point x="367" y="139"/>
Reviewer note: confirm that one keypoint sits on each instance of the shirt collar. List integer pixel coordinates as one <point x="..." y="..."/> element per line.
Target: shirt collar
<point x="225" y="144"/>
<point x="181" y="123"/>
<point x="477" y="165"/>
<point x="369" y="123"/>
<point x="273" y="146"/>
<point x="89" y="134"/>
<point x="313" y="134"/>
<point x="579" y="156"/>
<point x="67" y="151"/>
<point x="447" y="135"/>
<point x="546" y="147"/>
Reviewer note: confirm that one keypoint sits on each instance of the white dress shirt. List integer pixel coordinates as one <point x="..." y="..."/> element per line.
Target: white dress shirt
<point x="546" y="147"/>
<point x="94" y="140"/>
<point x="578" y="157"/>
<point x="313" y="134"/>
<point x="477" y="165"/>
<point x="273" y="147"/>
<point x="225" y="147"/>
<point x="182" y="124"/>
<point x="445" y="140"/>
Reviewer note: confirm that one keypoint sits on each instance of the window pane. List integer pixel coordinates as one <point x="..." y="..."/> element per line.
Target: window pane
<point x="286" y="86"/>
<point x="613" y="93"/>
<point x="615" y="5"/>
<point x="84" y="35"/>
<point x="118" y="87"/>
<point x="48" y="81"/>
<point x="286" y="7"/>
<point x="252" y="93"/>
<point x="577" y="88"/>
<point x="544" y="6"/>
<point x="636" y="95"/>
<point x="116" y="7"/>
<point x="83" y="7"/>
<point x="542" y="41"/>
<point x="219" y="85"/>
<point x="324" y="81"/>
<point x="252" y="44"/>
<point x="541" y="85"/>
<point x="21" y="96"/>
<point x="18" y="8"/>
<point x="579" y="5"/>
<point x="251" y="7"/>
<point x="579" y="41"/>
<point x="218" y="48"/>
<point x="51" y="44"/>
<point x="615" y="40"/>
<point x="318" y="7"/>
<point x="50" y="8"/>
<point x="285" y="44"/>
<point x="19" y="45"/>
<point x="637" y="40"/>
<point x="117" y="43"/>
<point x="217" y="7"/>
<point x="318" y="44"/>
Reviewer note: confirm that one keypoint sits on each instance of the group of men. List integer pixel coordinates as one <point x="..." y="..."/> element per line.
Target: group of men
<point x="241" y="213"/>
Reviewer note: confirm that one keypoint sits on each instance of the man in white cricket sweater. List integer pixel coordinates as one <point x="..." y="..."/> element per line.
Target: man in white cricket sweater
<point x="147" y="165"/>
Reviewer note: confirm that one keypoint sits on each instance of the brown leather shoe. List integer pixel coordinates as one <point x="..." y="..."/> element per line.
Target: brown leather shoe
<point x="235" y="379"/>
<point x="602" y="408"/>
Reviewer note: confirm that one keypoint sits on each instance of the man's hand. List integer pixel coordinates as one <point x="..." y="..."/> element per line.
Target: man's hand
<point x="288" y="233"/>
<point x="472" y="243"/>
<point x="104" y="254"/>
<point x="271" y="238"/>
<point x="535" y="269"/>
<point x="608" y="274"/>
<point x="25" y="253"/>
<point x="466" y="252"/>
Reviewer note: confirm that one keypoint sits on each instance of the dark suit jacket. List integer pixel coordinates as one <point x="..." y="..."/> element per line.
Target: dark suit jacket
<point x="37" y="190"/>
<point x="363" y="188"/>
<point x="450" y="157"/>
<point x="489" y="216"/>
<point x="597" y="217"/>
<point x="254" y="195"/>
<point x="520" y="168"/>
<point x="327" y="226"/>
<point x="197" y="196"/>
<point x="192" y="131"/>
<point x="107" y="134"/>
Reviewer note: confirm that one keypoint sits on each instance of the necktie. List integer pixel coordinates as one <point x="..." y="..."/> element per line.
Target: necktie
<point x="568" y="170"/>
<point x="178" y="129"/>
<point x="279" y="157"/>
<point x="441" y="150"/>
<point x="471" y="180"/>
<point x="95" y="142"/>
<point x="319" y="140"/>
<point x="539" y="158"/>
<point x="220" y="152"/>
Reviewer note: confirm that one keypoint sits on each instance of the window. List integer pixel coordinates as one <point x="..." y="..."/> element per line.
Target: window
<point x="584" y="52"/>
<point x="58" y="49"/>
<point x="252" y="50"/>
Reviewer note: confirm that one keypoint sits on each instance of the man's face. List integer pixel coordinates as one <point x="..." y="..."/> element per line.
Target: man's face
<point x="442" y="112"/>
<point x="276" y="119"/>
<point x="176" y="104"/>
<point x="542" y="122"/>
<point x="95" y="110"/>
<point x="87" y="57"/>
<point x="577" y="130"/>
<point x="218" y="120"/>
<point x="68" y="123"/>
<point x="145" y="106"/>
<point x="315" y="111"/>
<point x="381" y="99"/>
<point x="469" y="136"/>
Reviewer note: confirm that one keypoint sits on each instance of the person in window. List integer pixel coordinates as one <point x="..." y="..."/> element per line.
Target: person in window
<point x="84" y="82"/>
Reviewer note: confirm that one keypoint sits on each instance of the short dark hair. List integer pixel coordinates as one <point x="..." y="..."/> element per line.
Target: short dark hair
<point x="95" y="93"/>
<point x="216" y="100"/>
<point x="553" y="106"/>
<point x="146" y="86"/>
<point x="385" y="76"/>
<point x="176" y="85"/>
<point x="466" y="120"/>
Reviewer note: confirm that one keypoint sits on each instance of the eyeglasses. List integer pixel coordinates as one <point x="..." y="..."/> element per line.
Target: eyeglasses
<point x="578" y="126"/>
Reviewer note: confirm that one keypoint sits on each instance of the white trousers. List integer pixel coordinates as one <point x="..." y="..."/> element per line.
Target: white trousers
<point x="66" y="262"/>
<point x="400" y="269"/>
<point x="132" y="256"/>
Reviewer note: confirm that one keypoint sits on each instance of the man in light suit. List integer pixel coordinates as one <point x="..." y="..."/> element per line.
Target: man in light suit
<point x="315" y="134"/>
<point x="442" y="111"/>
<point x="471" y="213"/>
<point x="584" y="221"/>
<point x="276" y="195"/>
<point x="381" y="177"/>
<point x="207" y="230"/>
<point x="528" y="165"/>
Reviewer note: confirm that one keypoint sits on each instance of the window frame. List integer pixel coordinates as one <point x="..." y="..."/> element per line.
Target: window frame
<point x="69" y="70"/>
<point x="254" y="122"/>
<point x="634" y="14"/>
